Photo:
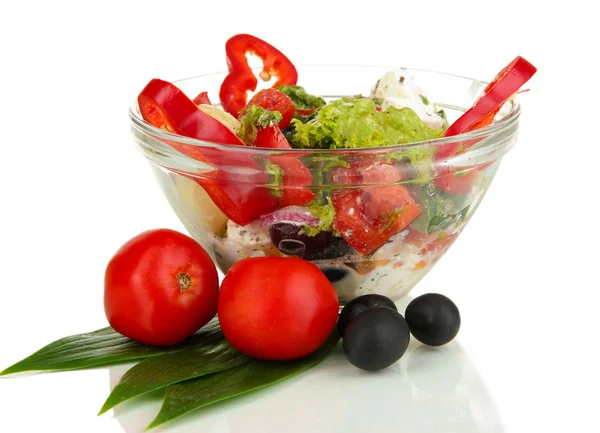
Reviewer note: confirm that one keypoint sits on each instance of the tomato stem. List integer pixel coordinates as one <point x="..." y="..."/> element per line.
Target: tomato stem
<point x="185" y="281"/>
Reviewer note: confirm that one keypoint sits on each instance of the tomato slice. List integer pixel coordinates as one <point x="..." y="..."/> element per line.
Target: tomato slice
<point x="241" y="79"/>
<point x="165" y="106"/>
<point x="366" y="218"/>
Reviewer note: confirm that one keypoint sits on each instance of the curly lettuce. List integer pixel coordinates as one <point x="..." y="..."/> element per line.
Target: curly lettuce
<point x="355" y="123"/>
<point x="325" y="213"/>
<point x="255" y="119"/>
<point x="302" y="100"/>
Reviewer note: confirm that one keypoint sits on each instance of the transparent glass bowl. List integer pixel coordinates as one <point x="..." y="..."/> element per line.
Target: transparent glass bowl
<point x="446" y="189"/>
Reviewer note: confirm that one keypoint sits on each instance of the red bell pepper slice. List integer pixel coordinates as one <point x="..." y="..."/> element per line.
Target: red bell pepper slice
<point x="202" y="98"/>
<point x="367" y="217"/>
<point x="241" y="79"/>
<point x="506" y="83"/>
<point x="165" y="106"/>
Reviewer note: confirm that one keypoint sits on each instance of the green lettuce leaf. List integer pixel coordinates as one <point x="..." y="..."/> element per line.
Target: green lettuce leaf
<point x="276" y="177"/>
<point x="253" y="120"/>
<point x="325" y="213"/>
<point x="355" y="122"/>
<point x="302" y="100"/>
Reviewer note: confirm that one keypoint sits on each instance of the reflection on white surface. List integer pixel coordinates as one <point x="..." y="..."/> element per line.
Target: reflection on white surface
<point x="429" y="390"/>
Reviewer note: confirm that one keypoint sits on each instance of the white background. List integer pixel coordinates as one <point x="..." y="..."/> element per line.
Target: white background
<point x="74" y="188"/>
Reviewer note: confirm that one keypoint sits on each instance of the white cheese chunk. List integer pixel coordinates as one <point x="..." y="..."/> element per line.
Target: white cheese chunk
<point x="400" y="90"/>
<point x="425" y="112"/>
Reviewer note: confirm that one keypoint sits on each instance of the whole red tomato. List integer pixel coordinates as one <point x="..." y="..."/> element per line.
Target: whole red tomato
<point x="160" y="287"/>
<point x="277" y="308"/>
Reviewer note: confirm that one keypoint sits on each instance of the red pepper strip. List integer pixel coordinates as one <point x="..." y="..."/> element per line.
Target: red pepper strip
<point x="241" y="79"/>
<point x="202" y="98"/>
<point x="165" y="106"/>
<point x="367" y="217"/>
<point x="504" y="85"/>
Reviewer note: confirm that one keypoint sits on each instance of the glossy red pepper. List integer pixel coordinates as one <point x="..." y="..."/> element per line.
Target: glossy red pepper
<point x="506" y="83"/>
<point x="165" y="106"/>
<point x="241" y="79"/>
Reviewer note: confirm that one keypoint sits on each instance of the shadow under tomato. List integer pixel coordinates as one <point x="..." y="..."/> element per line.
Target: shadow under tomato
<point x="428" y="390"/>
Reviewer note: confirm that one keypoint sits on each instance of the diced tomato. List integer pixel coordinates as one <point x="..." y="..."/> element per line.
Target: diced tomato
<point x="366" y="171"/>
<point x="377" y="171"/>
<point x="271" y="137"/>
<point x="449" y="181"/>
<point x="295" y="178"/>
<point x="274" y="100"/>
<point x="367" y="217"/>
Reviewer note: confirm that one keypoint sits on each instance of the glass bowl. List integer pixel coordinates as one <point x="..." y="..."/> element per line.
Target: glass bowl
<point x="226" y="197"/>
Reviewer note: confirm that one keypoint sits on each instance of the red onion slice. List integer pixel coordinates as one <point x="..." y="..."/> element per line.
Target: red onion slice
<point x="292" y="215"/>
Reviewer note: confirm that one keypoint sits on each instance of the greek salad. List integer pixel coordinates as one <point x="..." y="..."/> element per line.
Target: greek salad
<point x="374" y="221"/>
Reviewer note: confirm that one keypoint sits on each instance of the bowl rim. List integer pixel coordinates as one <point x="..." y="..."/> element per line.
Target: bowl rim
<point x="496" y="128"/>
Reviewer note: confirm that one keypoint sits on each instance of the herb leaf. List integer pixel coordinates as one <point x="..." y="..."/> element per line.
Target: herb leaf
<point x="187" y="396"/>
<point x="102" y="347"/>
<point x="161" y="371"/>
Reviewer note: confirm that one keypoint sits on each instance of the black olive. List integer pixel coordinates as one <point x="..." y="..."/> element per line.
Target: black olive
<point x="337" y="247"/>
<point x="433" y="319"/>
<point x="289" y="133"/>
<point x="335" y="274"/>
<point x="376" y="338"/>
<point x="322" y="246"/>
<point x="286" y="238"/>
<point x="358" y="305"/>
